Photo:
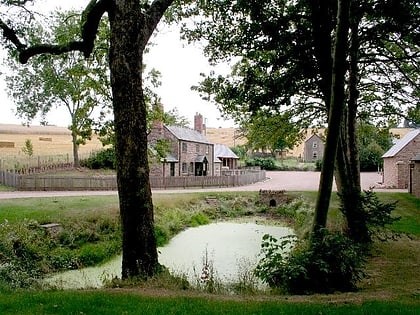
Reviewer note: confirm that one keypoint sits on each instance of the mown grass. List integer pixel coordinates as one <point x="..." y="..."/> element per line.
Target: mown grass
<point x="391" y="285"/>
<point x="127" y="302"/>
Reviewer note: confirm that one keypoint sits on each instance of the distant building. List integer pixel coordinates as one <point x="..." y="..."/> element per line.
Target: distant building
<point x="398" y="158"/>
<point x="313" y="148"/>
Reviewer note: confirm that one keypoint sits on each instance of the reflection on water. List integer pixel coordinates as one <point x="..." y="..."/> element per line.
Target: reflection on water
<point x="228" y="245"/>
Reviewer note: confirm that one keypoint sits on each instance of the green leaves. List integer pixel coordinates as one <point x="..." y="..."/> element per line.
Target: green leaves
<point x="69" y="80"/>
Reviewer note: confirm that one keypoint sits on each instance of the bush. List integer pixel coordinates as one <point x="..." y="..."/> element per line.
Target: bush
<point x="265" y="164"/>
<point x="329" y="262"/>
<point x="103" y="159"/>
<point x="378" y="215"/>
<point x="92" y="254"/>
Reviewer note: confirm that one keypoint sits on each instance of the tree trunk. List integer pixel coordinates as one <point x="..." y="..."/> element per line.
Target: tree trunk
<point x="335" y="115"/>
<point x="348" y="162"/>
<point x="127" y="28"/>
<point x="76" y="161"/>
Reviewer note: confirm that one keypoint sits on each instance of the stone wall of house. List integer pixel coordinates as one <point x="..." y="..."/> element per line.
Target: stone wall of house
<point x="157" y="168"/>
<point x="189" y="157"/>
<point x="415" y="179"/>
<point x="390" y="175"/>
<point x="313" y="149"/>
<point x="396" y="169"/>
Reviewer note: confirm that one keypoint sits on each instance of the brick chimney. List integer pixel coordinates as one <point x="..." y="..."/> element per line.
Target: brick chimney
<point x="198" y="123"/>
<point x="157" y="124"/>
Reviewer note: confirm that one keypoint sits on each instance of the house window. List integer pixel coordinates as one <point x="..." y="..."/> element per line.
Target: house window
<point x="184" y="147"/>
<point x="197" y="148"/>
<point x="191" y="170"/>
<point x="184" y="168"/>
<point x="314" y="145"/>
<point x="314" y="155"/>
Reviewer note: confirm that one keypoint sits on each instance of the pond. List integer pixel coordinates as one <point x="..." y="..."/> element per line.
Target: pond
<point x="228" y="247"/>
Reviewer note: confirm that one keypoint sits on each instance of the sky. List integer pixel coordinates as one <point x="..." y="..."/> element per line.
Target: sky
<point x="179" y="63"/>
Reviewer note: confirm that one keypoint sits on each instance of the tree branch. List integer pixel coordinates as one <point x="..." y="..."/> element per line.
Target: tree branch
<point x="154" y="14"/>
<point x="10" y="35"/>
<point x="90" y="21"/>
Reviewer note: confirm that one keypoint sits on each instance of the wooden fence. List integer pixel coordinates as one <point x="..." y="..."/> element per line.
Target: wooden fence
<point x="40" y="182"/>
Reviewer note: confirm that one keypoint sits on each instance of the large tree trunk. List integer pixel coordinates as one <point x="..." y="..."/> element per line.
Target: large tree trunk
<point x="335" y="115"/>
<point x="139" y="256"/>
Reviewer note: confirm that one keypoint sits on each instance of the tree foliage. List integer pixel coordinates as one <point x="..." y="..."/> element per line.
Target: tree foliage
<point x="373" y="143"/>
<point x="282" y="55"/>
<point x="270" y="131"/>
<point x="71" y="81"/>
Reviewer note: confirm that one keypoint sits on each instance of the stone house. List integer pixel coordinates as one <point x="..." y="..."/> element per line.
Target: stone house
<point x="398" y="158"/>
<point x="414" y="182"/>
<point x="190" y="152"/>
<point x="313" y="148"/>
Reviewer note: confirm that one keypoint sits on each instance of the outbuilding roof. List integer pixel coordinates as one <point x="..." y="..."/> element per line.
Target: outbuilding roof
<point x="223" y="151"/>
<point x="400" y="144"/>
<point x="187" y="134"/>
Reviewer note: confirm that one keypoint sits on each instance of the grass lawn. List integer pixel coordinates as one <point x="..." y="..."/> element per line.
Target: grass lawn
<point x="131" y="302"/>
<point x="391" y="287"/>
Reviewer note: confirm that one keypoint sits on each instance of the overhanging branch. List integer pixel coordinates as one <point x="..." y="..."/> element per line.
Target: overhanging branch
<point x="90" y="22"/>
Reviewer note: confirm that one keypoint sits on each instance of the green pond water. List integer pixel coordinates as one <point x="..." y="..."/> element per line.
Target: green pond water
<point x="229" y="248"/>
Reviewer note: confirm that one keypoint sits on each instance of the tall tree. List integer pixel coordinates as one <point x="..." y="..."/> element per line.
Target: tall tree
<point x="284" y="61"/>
<point x="336" y="110"/>
<point x="78" y="84"/>
<point x="132" y="23"/>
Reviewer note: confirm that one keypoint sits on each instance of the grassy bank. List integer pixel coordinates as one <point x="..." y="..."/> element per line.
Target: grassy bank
<point x="391" y="286"/>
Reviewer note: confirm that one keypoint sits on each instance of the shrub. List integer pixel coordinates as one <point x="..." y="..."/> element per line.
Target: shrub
<point x="92" y="254"/>
<point x="265" y="164"/>
<point x="28" y="148"/>
<point x="198" y="219"/>
<point x="378" y="215"/>
<point x="103" y="159"/>
<point x="329" y="262"/>
<point x="161" y="236"/>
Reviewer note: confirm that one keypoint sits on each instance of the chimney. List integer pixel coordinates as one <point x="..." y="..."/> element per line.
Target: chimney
<point x="198" y="123"/>
<point x="157" y="124"/>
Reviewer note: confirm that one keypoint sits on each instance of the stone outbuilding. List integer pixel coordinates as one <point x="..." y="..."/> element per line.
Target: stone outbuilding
<point x="414" y="182"/>
<point x="227" y="157"/>
<point x="397" y="160"/>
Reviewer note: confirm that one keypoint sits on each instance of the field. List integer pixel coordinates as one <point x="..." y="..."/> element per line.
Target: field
<point x="49" y="143"/>
<point x="391" y="287"/>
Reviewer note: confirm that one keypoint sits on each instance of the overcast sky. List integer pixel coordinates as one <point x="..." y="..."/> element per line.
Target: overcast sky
<point x="180" y="65"/>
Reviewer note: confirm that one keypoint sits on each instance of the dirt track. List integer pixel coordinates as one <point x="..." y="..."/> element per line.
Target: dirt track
<point x="289" y="181"/>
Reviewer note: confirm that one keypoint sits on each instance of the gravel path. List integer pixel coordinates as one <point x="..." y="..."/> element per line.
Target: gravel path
<point x="289" y="181"/>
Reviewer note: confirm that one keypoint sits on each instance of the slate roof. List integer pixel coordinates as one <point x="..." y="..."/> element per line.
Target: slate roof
<point x="223" y="151"/>
<point x="401" y="143"/>
<point x="187" y="134"/>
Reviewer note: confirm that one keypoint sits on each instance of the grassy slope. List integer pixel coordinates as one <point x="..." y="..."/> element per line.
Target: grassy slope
<point x="390" y="288"/>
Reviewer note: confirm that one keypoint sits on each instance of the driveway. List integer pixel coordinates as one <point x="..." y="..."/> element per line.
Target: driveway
<point x="289" y="181"/>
